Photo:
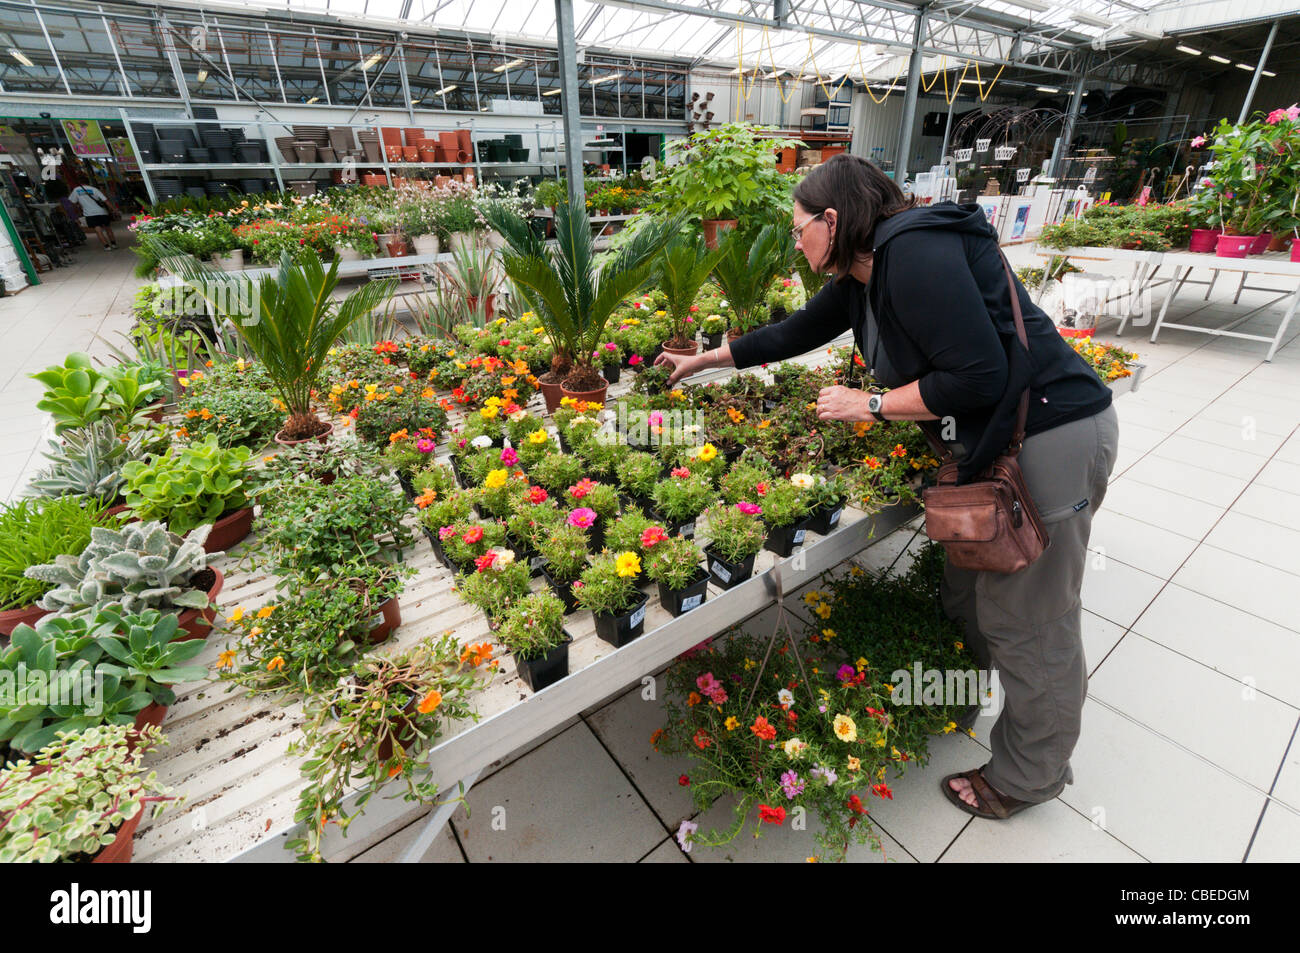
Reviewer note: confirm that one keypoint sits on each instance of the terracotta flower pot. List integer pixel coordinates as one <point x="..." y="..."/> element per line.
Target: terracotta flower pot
<point x="681" y="351"/>
<point x="10" y="619"/>
<point x="198" y="623"/>
<point x="712" y="226"/>
<point x="229" y="530"/>
<point x="552" y="394"/>
<point x="396" y="248"/>
<point x="596" y="396"/>
<point x="322" y="437"/>
<point x="390" y="617"/>
<point x="1279" y="242"/>
<point x="123" y="848"/>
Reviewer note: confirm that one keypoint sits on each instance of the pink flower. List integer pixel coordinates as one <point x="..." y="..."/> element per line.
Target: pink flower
<point x="681" y="473"/>
<point x="509" y="457"/>
<point x="634" y="360"/>
<point x="707" y="684"/>
<point x="446" y="532"/>
<point x="1293" y="112"/>
<point x="656" y="419"/>
<point x="582" y="517"/>
<point x="751" y="509"/>
<point x="582" y="488"/>
<point x="611" y="346"/>
<point x="846" y="673"/>
<point x="786" y="283"/>
<point x="1198" y="142"/>
<point x="1276" y="116"/>
<point x="425" y="445"/>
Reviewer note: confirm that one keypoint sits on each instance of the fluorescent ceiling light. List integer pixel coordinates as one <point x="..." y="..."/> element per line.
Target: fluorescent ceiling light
<point x="203" y="76"/>
<point x="1036" y="5"/>
<point x="552" y="92"/>
<point x="1142" y="33"/>
<point x="371" y="60"/>
<point x="20" y="57"/>
<point x="1048" y="89"/>
<point x="597" y="80"/>
<point x="312" y="100"/>
<point x="1091" y="19"/>
<point x="1187" y="49"/>
<point x="416" y="102"/>
<point x="1246" y="66"/>
<point x="893" y="88"/>
<point x="1268" y="72"/>
<point x="511" y="65"/>
<point x="1219" y="59"/>
<point x="445" y="90"/>
<point x="974" y="82"/>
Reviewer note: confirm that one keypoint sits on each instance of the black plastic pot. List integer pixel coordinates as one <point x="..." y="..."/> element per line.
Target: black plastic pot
<point x="526" y="553"/>
<point x="611" y="373"/>
<point x="408" y="487"/>
<point x="684" y="528"/>
<point x="690" y="597"/>
<point x="438" y="552"/>
<point x="713" y="341"/>
<point x="562" y="589"/>
<point x="726" y="573"/>
<point x="618" y="630"/>
<point x="783" y="540"/>
<point x="826" y="520"/>
<point x="547" y="669"/>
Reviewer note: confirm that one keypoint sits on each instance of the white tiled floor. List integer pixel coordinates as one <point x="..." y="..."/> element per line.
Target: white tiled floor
<point x="1191" y="632"/>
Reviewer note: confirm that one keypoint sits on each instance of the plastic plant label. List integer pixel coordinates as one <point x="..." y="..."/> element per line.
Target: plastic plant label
<point x="688" y="529"/>
<point x="376" y="620"/>
<point x="692" y="602"/>
<point x="720" y="571"/>
<point x="536" y="563"/>
<point x="834" y="518"/>
<point x="636" y="618"/>
<point x="799" y="534"/>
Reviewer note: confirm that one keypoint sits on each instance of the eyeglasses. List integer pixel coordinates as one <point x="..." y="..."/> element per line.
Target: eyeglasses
<point x="797" y="231"/>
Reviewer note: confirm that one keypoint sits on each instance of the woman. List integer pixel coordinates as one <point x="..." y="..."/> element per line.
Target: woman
<point x="926" y="295"/>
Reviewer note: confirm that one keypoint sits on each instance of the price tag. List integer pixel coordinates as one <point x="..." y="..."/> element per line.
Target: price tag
<point x="834" y="517"/>
<point x="692" y="602"/>
<point x="688" y="529"/>
<point x="637" y="618"/>
<point x="799" y="534"/>
<point x="720" y="571"/>
<point x="376" y="621"/>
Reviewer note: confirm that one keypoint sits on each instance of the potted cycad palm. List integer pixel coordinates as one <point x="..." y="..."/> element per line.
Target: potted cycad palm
<point x="569" y="292"/>
<point x="290" y="320"/>
<point x="746" y="270"/>
<point x="684" y="266"/>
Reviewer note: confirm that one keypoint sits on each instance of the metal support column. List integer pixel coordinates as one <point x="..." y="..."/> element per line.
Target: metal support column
<point x="406" y="84"/>
<point x="567" y="43"/>
<point x="1071" y="117"/>
<point x="112" y="45"/>
<point x="910" y="97"/>
<point x="947" y="128"/>
<point x="1259" y="68"/>
<point x="178" y="74"/>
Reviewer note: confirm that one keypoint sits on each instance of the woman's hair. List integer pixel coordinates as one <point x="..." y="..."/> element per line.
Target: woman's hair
<point x="861" y="195"/>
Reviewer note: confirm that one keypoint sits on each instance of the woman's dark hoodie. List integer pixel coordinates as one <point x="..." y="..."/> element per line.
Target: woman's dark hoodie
<point x="940" y="300"/>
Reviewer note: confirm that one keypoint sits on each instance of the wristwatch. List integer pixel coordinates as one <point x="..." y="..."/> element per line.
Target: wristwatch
<point x="874" y="406"/>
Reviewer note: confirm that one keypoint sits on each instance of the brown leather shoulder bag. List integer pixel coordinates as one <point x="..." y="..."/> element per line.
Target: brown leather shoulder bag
<point x="991" y="523"/>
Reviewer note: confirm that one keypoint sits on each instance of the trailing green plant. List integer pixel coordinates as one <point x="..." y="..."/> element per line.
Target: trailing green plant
<point x="138" y="567"/>
<point x="453" y="506"/>
<point x="313" y="526"/>
<point x="34" y="532"/>
<point x="294" y="322"/>
<point x="378" y="420"/>
<point x="734" y="533"/>
<point x="94" y="784"/>
<point x="189" y="485"/>
<point x="237" y="415"/>
<point x="313" y="631"/>
<point x="375" y="727"/>
<point x="785" y="502"/>
<point x="314" y="460"/>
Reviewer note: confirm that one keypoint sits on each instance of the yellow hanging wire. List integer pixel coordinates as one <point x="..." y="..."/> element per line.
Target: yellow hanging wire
<point x="984" y="94"/>
<point x="817" y="70"/>
<point x="925" y="88"/>
<point x="960" y="80"/>
<point x="740" y="67"/>
<point x="771" y="59"/>
<point x="863" y="71"/>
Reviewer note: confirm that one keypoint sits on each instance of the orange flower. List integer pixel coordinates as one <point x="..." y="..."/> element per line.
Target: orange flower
<point x="425" y="498"/>
<point x="276" y="664"/>
<point x="398" y="436"/>
<point x="430" y="702"/>
<point x="873" y="463"/>
<point x="899" y="451"/>
<point x="762" y="729"/>
<point x="764" y="424"/>
<point x="226" y="659"/>
<point x="693" y="699"/>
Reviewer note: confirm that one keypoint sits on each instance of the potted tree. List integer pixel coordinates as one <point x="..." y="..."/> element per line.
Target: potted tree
<point x="533" y="631"/>
<point x="607" y="588"/>
<point x="684" y="266"/>
<point x="565" y="288"/>
<point x="292" y="323"/>
<point x="736" y="535"/>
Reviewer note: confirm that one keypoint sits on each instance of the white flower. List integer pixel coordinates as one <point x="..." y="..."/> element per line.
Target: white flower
<point x="722" y="303"/>
<point x="481" y="442"/>
<point x="794" y="748"/>
<point x="504" y="558"/>
<point x="684" y="833"/>
<point x="785" y="697"/>
<point x="519" y="415"/>
<point x="693" y="428"/>
<point x="803" y="481"/>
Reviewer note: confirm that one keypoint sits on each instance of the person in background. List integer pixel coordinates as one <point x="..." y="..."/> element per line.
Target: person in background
<point x="96" y="207"/>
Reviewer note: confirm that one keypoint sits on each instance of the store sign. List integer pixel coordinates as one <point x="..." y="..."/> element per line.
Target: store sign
<point x="123" y="155"/>
<point x="85" y="137"/>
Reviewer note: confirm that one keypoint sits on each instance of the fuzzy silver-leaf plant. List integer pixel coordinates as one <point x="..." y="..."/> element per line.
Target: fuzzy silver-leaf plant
<point x="89" y="462"/>
<point x="140" y="566"/>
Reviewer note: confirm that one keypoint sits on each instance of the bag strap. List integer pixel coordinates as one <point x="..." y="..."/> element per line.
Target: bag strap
<point x="1022" y="414"/>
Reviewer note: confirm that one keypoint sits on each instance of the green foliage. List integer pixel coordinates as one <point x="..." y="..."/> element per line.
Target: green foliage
<point x="724" y="172"/>
<point x="746" y="269"/>
<point x="378" y="420"/>
<point x="75" y="393"/>
<point x="684" y="266"/>
<point x="683" y="498"/>
<point x="565" y="551"/>
<point x="675" y="562"/>
<point x="190" y="485"/>
<point x="734" y="535"/>
<point x="604" y="590"/>
<point x="638" y="473"/>
<point x="33" y="532"/>
<point x="534" y="625"/>
<point x="312" y="526"/>
<point x="89" y="462"/>
<point x="495" y="587"/>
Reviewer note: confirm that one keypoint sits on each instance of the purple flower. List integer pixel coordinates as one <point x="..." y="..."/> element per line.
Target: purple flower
<point x="846" y="673"/>
<point x="792" y="785"/>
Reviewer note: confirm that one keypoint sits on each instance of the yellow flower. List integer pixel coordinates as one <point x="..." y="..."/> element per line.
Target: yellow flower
<point x="628" y="564"/>
<point x="265" y="612"/>
<point x="731" y="724"/>
<point x="708" y="452"/>
<point x="538" y="436"/>
<point x="226" y="659"/>
<point x="823" y="611"/>
<point x="568" y="402"/>
<point x="750" y="663"/>
<point x="496" y="479"/>
<point x="895" y="754"/>
<point x="862" y="663"/>
<point x="487" y="413"/>
<point x="793" y="748"/>
<point x="845" y="729"/>
<point x="828" y="633"/>
<point x="236" y="616"/>
<point x="854" y="764"/>
<point x="880" y="742"/>
<point x="950" y="727"/>
<point x="958" y="646"/>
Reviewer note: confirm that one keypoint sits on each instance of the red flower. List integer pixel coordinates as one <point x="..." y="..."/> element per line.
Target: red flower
<point x="702" y="739"/>
<point x="882" y="790"/>
<point x="536" y="495"/>
<point x="681" y="473"/>
<point x="473" y="535"/>
<point x="684" y="781"/>
<point x="485" y="561"/>
<point x="762" y="729"/>
<point x="771" y="815"/>
<point x="855" y="805"/>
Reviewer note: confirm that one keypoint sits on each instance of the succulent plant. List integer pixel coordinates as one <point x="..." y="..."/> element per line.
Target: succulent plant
<point x="188" y="485"/>
<point x="89" y="462"/>
<point x="141" y="566"/>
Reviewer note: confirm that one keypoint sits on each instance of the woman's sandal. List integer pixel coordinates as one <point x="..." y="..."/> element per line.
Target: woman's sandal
<point x="991" y="805"/>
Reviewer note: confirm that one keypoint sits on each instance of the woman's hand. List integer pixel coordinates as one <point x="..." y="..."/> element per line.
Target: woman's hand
<point x="683" y="365"/>
<point x="842" y="403"/>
